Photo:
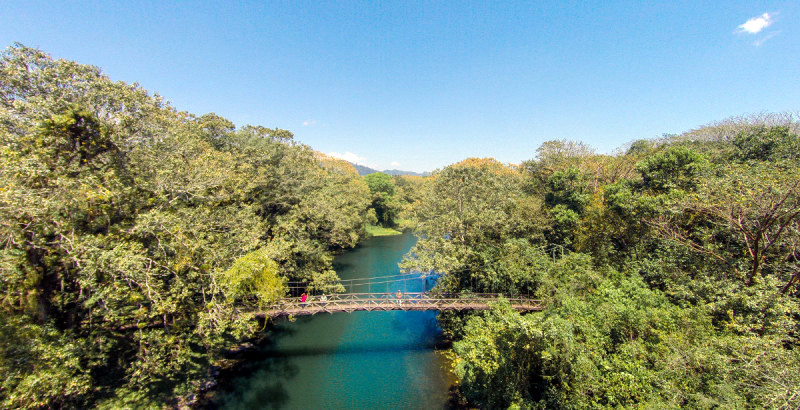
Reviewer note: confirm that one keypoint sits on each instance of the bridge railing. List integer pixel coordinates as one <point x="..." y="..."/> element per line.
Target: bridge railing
<point x="349" y="302"/>
<point x="399" y="295"/>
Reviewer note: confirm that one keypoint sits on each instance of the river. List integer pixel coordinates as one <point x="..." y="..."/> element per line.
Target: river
<point x="362" y="360"/>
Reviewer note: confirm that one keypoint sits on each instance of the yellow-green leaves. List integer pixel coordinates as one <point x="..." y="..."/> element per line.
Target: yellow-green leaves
<point x="254" y="275"/>
<point x="139" y="231"/>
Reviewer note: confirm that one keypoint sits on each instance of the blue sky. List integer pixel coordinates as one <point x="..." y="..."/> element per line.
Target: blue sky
<point x="420" y="85"/>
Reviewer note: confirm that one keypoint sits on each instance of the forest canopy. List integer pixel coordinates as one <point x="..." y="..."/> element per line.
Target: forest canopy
<point x="136" y="240"/>
<point x="670" y="272"/>
<point x="133" y="234"/>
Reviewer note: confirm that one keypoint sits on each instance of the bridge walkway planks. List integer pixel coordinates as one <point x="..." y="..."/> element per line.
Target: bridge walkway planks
<point x="414" y="301"/>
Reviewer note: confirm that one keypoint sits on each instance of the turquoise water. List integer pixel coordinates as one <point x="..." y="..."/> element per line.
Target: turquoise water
<point x="362" y="360"/>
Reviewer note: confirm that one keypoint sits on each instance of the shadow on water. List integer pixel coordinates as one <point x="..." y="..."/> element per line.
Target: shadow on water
<point x="261" y="377"/>
<point x="342" y="266"/>
<point x="361" y="360"/>
<point x="353" y="350"/>
<point x="264" y="389"/>
<point x="257" y="380"/>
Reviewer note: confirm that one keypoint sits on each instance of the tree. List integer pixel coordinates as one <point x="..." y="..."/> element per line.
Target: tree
<point x="380" y="182"/>
<point x="384" y="202"/>
<point x="759" y="204"/>
<point x="557" y="151"/>
<point x="567" y="188"/>
<point x="762" y="143"/>
<point x="465" y="216"/>
<point x="727" y="129"/>
<point x="674" y="168"/>
<point x="132" y="235"/>
<point x="556" y="155"/>
<point x="254" y="274"/>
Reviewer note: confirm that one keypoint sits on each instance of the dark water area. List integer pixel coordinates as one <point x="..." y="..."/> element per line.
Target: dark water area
<point x="362" y="360"/>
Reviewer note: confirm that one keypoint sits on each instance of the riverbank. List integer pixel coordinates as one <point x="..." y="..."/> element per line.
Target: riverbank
<point x="376" y="230"/>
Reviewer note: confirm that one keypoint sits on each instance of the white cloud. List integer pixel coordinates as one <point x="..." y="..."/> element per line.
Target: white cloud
<point x="306" y="123"/>
<point x="395" y="163"/>
<point x="347" y="156"/>
<point x="756" y="24"/>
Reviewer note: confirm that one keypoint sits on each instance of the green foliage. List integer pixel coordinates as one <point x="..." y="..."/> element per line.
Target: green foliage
<point x="567" y="188"/>
<point x="620" y="345"/>
<point x="553" y="156"/>
<point x="40" y="366"/>
<point x="761" y="143"/>
<point x="380" y="182"/>
<point x="254" y="274"/>
<point x="565" y="222"/>
<point x="750" y="215"/>
<point x="133" y="235"/>
<point x="684" y="293"/>
<point x="466" y="214"/>
<point x="640" y="147"/>
<point x="384" y="203"/>
<point x="674" y="168"/>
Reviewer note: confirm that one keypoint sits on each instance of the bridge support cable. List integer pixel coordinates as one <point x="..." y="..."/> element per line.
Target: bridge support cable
<point x="388" y="283"/>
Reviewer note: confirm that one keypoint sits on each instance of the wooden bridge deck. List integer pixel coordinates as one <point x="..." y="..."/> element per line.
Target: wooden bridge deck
<point x="351" y="302"/>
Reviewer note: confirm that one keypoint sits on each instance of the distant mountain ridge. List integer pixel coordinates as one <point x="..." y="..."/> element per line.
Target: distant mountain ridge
<point x="362" y="170"/>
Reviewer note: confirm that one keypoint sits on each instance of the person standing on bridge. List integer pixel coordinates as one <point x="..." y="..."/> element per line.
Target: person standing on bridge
<point x="303" y="299"/>
<point x="400" y="298"/>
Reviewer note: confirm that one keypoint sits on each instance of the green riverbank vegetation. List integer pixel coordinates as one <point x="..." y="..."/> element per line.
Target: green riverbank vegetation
<point x="377" y="230"/>
<point x="136" y="240"/>
<point x="392" y="200"/>
<point x="669" y="271"/>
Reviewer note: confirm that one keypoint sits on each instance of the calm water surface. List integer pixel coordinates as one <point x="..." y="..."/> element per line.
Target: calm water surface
<point x="363" y="360"/>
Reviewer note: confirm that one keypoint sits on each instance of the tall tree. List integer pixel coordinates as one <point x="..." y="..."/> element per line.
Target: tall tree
<point x="466" y="214"/>
<point x="384" y="202"/>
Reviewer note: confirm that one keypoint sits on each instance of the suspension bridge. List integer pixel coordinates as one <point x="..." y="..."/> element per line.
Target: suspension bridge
<point x="410" y="292"/>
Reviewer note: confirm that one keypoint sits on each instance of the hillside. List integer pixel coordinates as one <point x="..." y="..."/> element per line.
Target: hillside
<point x="364" y="170"/>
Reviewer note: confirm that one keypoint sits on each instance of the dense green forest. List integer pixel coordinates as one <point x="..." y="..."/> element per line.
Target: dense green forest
<point x="135" y="239"/>
<point x="669" y="272"/>
<point x="132" y="234"/>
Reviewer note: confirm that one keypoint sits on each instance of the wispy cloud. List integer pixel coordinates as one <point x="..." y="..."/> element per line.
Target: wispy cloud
<point x="763" y="40"/>
<point x="307" y="123"/>
<point x="756" y="24"/>
<point x="347" y="156"/>
<point x="395" y="164"/>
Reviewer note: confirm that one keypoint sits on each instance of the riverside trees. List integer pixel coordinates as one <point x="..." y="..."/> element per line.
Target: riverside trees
<point x="677" y="286"/>
<point x="130" y="232"/>
<point x="468" y="213"/>
<point x="384" y="202"/>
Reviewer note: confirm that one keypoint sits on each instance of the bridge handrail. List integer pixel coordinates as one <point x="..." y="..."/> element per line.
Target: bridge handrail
<point x="345" y="301"/>
<point x="406" y="295"/>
